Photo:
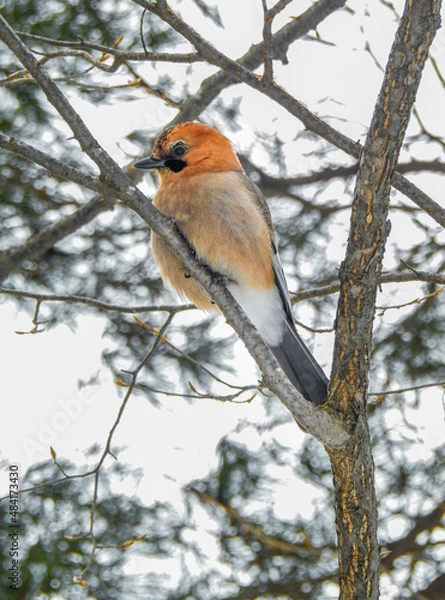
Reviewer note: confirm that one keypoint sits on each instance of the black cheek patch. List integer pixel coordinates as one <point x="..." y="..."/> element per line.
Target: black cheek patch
<point x="175" y="164"/>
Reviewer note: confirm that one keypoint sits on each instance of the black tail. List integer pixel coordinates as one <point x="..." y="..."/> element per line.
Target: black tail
<point x="301" y="367"/>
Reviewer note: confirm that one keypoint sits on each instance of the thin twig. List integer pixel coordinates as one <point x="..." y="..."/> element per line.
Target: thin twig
<point x="141" y="31"/>
<point x="435" y="138"/>
<point x="412" y="388"/>
<point x="121" y="55"/>
<point x="200" y="396"/>
<point x="267" y="40"/>
<point x="421" y="276"/>
<point x="98" y="304"/>
<point x="383" y="309"/>
<point x="107" y="449"/>
<point x="185" y="355"/>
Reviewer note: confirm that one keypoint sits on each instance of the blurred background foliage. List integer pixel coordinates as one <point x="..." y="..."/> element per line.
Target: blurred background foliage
<point x="248" y="551"/>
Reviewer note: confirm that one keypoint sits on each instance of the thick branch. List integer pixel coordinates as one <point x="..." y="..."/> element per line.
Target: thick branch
<point x="361" y="269"/>
<point x="320" y="422"/>
<point x="356" y="508"/>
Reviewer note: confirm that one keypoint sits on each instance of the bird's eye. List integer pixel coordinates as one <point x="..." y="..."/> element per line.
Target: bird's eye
<point x="179" y="149"/>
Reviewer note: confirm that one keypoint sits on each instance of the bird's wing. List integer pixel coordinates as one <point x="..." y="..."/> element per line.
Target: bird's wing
<point x="292" y="354"/>
<point x="281" y="283"/>
<point x="259" y="200"/>
<point x="280" y="278"/>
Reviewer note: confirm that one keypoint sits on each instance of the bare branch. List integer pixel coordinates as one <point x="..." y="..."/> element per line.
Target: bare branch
<point x="297" y="28"/>
<point x="359" y="553"/>
<point x="334" y="288"/>
<point x="270" y="184"/>
<point x="39" y="244"/>
<point x="98" y="64"/>
<point x="268" y="40"/>
<point x="87" y="142"/>
<point x="412" y="388"/>
<point x="98" y="304"/>
<point x="435" y="138"/>
<point x="54" y="166"/>
<point x="313" y="123"/>
<point x="120" y="56"/>
<point x="319" y="421"/>
<point x="383" y="309"/>
<point x="268" y="45"/>
<point x="107" y="449"/>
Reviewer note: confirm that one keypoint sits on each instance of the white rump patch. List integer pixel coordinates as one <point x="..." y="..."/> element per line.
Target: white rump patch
<point x="264" y="309"/>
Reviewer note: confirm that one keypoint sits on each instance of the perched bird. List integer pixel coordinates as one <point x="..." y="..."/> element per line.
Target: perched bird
<point x="226" y="220"/>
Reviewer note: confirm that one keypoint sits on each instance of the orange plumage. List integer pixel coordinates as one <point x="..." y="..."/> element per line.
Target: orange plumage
<point x="224" y="216"/>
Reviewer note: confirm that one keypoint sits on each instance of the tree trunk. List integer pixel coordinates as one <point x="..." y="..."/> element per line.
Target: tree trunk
<point x="352" y="467"/>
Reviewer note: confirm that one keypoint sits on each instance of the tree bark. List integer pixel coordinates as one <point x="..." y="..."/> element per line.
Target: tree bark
<point x="352" y="466"/>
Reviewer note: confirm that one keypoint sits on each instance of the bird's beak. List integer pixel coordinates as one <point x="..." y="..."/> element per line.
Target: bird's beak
<point x="150" y="163"/>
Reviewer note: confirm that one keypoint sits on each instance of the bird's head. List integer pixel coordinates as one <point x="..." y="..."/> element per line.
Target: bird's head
<point x="189" y="149"/>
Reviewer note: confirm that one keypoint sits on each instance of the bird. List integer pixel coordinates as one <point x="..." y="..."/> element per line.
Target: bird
<point x="226" y="220"/>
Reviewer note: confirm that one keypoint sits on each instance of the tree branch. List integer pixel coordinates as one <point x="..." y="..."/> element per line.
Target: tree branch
<point x="107" y="449"/>
<point x="54" y="95"/>
<point x="267" y="41"/>
<point x="273" y="185"/>
<point x="334" y="288"/>
<point x="297" y="28"/>
<point x="120" y="56"/>
<point x="40" y="243"/>
<point x="321" y="422"/>
<point x="353" y="471"/>
<point x="239" y="72"/>
<point x="97" y="304"/>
